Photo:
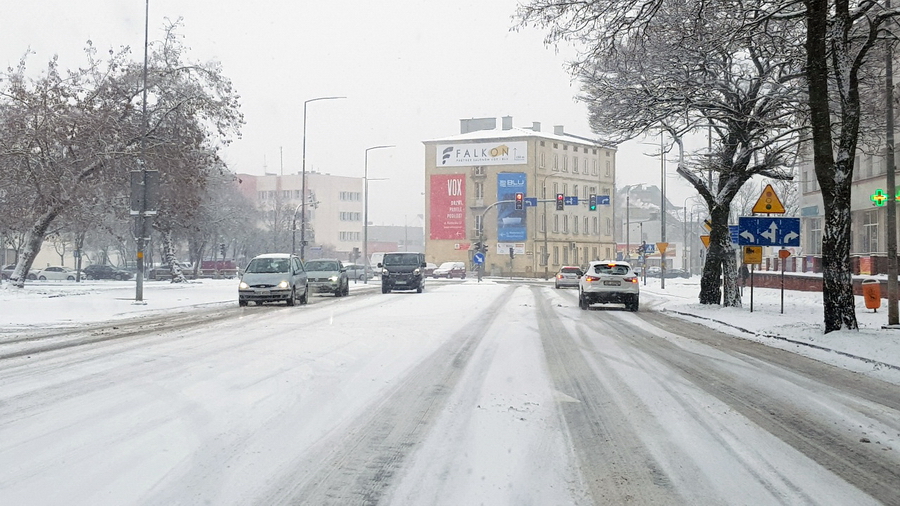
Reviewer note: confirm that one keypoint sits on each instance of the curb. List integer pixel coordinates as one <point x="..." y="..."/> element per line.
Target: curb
<point x="789" y="340"/>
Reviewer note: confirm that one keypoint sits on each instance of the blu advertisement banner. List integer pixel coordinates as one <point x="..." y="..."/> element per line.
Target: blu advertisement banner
<point x="448" y="208"/>
<point x="510" y="222"/>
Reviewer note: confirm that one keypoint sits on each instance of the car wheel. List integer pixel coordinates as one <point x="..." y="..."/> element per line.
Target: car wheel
<point x="385" y="289"/>
<point x="292" y="298"/>
<point x="70" y="278"/>
<point x="557" y="286"/>
<point x="347" y="288"/>
<point x="304" y="299"/>
<point x="634" y="304"/>
<point x="242" y="302"/>
<point x="582" y="302"/>
<point x="420" y="288"/>
<point x="43" y="278"/>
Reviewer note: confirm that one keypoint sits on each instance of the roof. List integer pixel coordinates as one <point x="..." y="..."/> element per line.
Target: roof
<point x="274" y="255"/>
<point x="516" y="133"/>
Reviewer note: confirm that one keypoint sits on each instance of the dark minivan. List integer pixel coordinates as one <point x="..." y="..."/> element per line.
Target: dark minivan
<point x="402" y="271"/>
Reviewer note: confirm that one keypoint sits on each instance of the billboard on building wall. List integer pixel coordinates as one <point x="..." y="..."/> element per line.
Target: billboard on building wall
<point x="448" y="206"/>
<point x="482" y="153"/>
<point x="510" y="222"/>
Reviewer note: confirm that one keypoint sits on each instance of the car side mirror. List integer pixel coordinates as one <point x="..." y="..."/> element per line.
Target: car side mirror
<point x="424" y="264"/>
<point x="379" y="265"/>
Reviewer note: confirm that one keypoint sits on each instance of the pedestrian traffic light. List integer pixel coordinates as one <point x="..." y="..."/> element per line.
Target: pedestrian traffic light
<point x="560" y="201"/>
<point x="222" y="249"/>
<point x="520" y="201"/>
<point x="593" y="202"/>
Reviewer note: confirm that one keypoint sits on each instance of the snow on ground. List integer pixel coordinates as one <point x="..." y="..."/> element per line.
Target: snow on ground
<point x="873" y="350"/>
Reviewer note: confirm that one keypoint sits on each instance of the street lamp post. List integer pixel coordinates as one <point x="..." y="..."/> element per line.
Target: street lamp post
<point x="366" y="211"/>
<point x="294" y="229"/>
<point x="303" y="170"/>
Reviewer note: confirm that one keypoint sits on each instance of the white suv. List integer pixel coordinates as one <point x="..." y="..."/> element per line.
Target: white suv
<point x="609" y="281"/>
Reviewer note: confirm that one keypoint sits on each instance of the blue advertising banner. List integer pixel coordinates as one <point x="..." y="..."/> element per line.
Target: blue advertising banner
<point x="510" y="222"/>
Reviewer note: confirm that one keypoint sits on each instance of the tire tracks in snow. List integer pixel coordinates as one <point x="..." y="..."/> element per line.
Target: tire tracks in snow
<point x="358" y="462"/>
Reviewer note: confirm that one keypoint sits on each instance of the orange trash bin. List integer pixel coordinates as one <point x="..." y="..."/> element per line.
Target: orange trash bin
<point x="871" y="289"/>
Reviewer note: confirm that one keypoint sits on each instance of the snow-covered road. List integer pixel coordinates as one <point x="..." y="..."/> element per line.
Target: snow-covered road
<point x="492" y="393"/>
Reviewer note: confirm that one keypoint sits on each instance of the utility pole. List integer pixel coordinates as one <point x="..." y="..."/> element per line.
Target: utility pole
<point x="891" y="183"/>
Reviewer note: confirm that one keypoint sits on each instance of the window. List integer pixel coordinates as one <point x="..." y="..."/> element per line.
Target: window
<point x="555" y="161"/>
<point x="575" y="190"/>
<point x="286" y="194"/>
<point x="261" y="195"/>
<point x="565" y="255"/>
<point x="348" y="216"/>
<point x="565" y="163"/>
<point x="608" y="226"/>
<point x="478" y="224"/>
<point x="869" y="237"/>
<point x="479" y="190"/>
<point x="607" y="167"/>
<point x="297" y="194"/>
<point x="350" y="196"/>
<point x="543" y="222"/>
<point x="574" y="165"/>
<point x="594" y="250"/>
<point x="566" y="224"/>
<point x="350" y="236"/>
<point x="574" y="256"/>
<point x="575" y="226"/>
<point x="542" y="156"/>
<point x="594" y="169"/>
<point x="596" y="226"/>
<point x="543" y="259"/>
<point x="555" y="223"/>
<point x="584" y="165"/>
<point x="814" y="236"/>
<point x="586" y="223"/>
<point x="556" y="255"/>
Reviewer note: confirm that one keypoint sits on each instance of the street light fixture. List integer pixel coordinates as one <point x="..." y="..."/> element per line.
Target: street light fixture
<point x="303" y="170"/>
<point x="366" y="211"/>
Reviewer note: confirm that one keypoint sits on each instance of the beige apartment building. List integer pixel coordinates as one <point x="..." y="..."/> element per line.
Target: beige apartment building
<point x="334" y="210"/>
<point x="466" y="175"/>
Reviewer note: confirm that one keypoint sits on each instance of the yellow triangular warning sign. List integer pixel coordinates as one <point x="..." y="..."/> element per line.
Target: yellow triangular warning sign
<point x="768" y="202"/>
<point x="661" y="247"/>
<point x="705" y="239"/>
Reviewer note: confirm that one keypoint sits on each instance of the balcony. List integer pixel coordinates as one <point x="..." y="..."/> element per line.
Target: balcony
<point x="478" y="203"/>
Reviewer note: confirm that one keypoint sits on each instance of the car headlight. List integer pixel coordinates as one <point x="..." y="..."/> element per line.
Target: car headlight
<point x="417" y="271"/>
<point x="333" y="278"/>
<point x="283" y="285"/>
<point x="385" y="272"/>
<point x="243" y="286"/>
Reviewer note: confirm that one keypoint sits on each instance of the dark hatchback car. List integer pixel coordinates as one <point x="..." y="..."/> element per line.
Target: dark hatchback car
<point x="98" y="271"/>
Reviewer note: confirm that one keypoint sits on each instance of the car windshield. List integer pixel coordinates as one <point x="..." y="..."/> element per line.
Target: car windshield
<point x="268" y="265"/>
<point x="411" y="259"/>
<point x="614" y="269"/>
<point x="322" y="265"/>
<point x="447" y="265"/>
<point x="571" y="270"/>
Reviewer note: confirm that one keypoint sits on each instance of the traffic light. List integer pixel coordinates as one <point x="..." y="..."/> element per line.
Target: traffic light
<point x="560" y="201"/>
<point x="222" y="249"/>
<point x="512" y="253"/>
<point x="593" y="202"/>
<point x="520" y="201"/>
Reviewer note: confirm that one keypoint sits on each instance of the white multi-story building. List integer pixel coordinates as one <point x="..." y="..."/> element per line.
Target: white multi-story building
<point x="334" y="210"/>
<point x="467" y="174"/>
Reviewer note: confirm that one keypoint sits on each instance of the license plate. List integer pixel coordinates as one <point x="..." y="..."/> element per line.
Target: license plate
<point x="398" y="282"/>
<point x="262" y="292"/>
<point x="612" y="283"/>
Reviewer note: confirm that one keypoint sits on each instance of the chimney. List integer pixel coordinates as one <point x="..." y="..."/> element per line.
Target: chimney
<point x="507" y="122"/>
<point x="536" y="126"/>
<point x="475" y="124"/>
<point x="558" y="130"/>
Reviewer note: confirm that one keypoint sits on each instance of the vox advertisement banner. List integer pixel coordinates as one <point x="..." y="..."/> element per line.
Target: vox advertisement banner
<point x="448" y="206"/>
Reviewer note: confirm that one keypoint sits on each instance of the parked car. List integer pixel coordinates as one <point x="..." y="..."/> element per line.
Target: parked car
<point x="402" y="271"/>
<point x="429" y="269"/>
<point x="653" y="271"/>
<point x="451" y="270"/>
<point x="102" y="271"/>
<point x="327" y="275"/>
<point x="568" y="275"/>
<point x="609" y="282"/>
<point x="8" y="270"/>
<point x="59" y="273"/>
<point x="358" y="271"/>
<point x="677" y="273"/>
<point x="274" y="277"/>
<point x="164" y="271"/>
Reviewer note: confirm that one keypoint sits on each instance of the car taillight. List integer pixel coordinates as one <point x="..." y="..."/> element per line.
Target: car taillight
<point x="590" y="279"/>
<point x="559" y="276"/>
<point x="631" y="279"/>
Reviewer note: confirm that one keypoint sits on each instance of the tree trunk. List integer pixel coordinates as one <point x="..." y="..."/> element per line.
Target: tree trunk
<point x="720" y="268"/>
<point x="170" y="259"/>
<point x="34" y="238"/>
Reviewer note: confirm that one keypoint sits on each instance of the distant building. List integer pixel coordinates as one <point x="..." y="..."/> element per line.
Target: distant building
<point x="334" y="210"/>
<point x="467" y="174"/>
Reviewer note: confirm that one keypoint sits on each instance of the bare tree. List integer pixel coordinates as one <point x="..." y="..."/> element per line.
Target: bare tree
<point x="680" y="66"/>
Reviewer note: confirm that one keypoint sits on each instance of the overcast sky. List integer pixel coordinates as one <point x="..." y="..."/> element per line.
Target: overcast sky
<point x="410" y="69"/>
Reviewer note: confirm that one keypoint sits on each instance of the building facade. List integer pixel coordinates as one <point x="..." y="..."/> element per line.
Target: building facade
<point x="471" y="180"/>
<point x="334" y="210"/>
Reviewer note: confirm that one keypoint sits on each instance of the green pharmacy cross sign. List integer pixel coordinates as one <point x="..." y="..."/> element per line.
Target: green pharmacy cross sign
<point x="879" y="198"/>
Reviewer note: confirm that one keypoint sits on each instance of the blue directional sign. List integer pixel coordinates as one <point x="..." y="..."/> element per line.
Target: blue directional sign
<point x="760" y="231"/>
<point x="735" y="230"/>
<point x="602" y="200"/>
<point x="530" y="201"/>
<point x="478" y="258"/>
<point x="571" y="201"/>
